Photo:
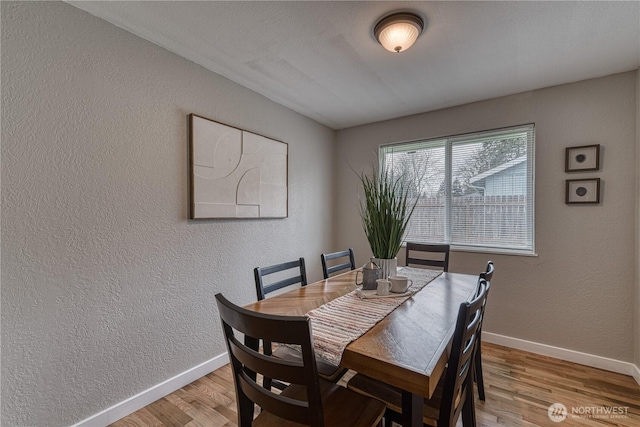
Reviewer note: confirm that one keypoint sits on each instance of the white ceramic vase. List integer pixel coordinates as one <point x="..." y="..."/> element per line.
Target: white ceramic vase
<point x="389" y="266"/>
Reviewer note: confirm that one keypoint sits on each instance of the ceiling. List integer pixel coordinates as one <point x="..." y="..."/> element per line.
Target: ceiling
<point x="320" y="58"/>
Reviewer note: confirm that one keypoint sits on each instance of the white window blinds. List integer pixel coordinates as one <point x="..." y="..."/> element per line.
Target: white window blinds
<point x="474" y="190"/>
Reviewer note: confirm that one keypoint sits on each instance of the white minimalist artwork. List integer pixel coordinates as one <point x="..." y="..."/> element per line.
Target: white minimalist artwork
<point x="235" y="173"/>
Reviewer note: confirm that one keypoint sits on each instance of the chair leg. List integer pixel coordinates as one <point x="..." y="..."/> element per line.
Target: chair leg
<point x="245" y="410"/>
<point x="469" y="409"/>
<point x="266" y="383"/>
<point x="478" y="372"/>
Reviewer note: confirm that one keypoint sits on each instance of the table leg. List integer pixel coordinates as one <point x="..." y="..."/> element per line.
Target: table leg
<point x="411" y="409"/>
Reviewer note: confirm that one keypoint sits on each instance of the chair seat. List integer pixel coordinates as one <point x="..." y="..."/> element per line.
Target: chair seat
<point x="392" y="396"/>
<point x="342" y="408"/>
<point x="326" y="370"/>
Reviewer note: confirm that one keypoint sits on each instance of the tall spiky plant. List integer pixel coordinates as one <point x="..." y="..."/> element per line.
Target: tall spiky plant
<point x="385" y="211"/>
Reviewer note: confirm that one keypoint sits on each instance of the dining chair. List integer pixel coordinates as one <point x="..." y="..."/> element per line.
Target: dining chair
<point x="328" y="270"/>
<point x="300" y="276"/>
<point x="430" y="255"/>
<point x="454" y="393"/>
<point x="308" y="399"/>
<point x="326" y="370"/>
<point x="487" y="275"/>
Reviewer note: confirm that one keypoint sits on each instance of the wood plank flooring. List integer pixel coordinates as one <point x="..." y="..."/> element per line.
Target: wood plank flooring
<point x="519" y="386"/>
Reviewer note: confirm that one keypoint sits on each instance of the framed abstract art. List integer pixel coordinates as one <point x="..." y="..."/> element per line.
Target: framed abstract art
<point x="235" y="173"/>
<point x="585" y="191"/>
<point x="582" y="158"/>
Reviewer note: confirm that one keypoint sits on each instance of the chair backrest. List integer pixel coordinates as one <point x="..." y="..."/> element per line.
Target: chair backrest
<point x="488" y="273"/>
<point x="247" y="361"/>
<point x="263" y="289"/>
<point x="433" y="255"/>
<point x="485" y="277"/>
<point x="328" y="270"/>
<point x="459" y="376"/>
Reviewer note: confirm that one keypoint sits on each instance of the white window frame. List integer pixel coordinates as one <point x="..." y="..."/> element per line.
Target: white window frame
<point x="449" y="142"/>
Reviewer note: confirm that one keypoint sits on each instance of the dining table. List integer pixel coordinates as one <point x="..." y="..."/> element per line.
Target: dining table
<point x="408" y="348"/>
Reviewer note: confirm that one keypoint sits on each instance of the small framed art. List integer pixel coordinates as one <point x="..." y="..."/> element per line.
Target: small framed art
<point x="583" y="191"/>
<point x="583" y="158"/>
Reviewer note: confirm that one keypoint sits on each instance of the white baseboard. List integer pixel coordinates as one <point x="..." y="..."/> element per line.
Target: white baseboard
<point x="636" y="373"/>
<point x="565" y="354"/>
<point x="140" y="400"/>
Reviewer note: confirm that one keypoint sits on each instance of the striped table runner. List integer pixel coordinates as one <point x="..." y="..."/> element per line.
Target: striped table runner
<point x="338" y="322"/>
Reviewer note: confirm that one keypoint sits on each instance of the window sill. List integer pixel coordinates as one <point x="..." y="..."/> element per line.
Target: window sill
<point x="498" y="251"/>
<point x="484" y="250"/>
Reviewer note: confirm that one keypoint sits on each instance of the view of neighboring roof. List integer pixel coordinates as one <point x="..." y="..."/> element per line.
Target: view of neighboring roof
<point x="497" y="169"/>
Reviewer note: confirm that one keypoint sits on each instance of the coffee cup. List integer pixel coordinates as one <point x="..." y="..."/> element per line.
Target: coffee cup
<point x="384" y="286"/>
<point x="400" y="284"/>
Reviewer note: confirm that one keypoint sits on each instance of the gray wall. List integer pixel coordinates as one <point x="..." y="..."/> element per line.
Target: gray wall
<point x="578" y="293"/>
<point x="107" y="287"/>
<point x="637" y="308"/>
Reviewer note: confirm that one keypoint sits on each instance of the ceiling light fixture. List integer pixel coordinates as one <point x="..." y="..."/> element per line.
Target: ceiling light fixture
<point x="397" y="32"/>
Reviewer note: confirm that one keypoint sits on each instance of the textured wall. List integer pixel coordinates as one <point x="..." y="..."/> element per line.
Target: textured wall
<point x="578" y="293"/>
<point x="107" y="287"/>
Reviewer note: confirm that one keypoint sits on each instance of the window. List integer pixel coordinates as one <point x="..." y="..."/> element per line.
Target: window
<point x="473" y="191"/>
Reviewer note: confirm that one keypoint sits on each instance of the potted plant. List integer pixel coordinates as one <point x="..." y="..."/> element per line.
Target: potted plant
<point x="385" y="211"/>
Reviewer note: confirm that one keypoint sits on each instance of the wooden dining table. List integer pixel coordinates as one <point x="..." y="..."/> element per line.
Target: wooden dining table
<point x="408" y="349"/>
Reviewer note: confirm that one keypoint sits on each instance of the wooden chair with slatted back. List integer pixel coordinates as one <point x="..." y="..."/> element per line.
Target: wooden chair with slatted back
<point x="454" y="393"/>
<point x="486" y="275"/>
<point x="430" y="255"/>
<point x="326" y="370"/>
<point x="263" y="289"/>
<point x="308" y="400"/>
<point x="328" y="270"/>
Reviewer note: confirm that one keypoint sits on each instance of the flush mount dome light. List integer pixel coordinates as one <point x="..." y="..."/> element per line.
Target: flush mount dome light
<point x="397" y="32"/>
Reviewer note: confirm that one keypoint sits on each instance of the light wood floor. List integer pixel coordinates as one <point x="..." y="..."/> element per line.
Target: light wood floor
<point x="519" y="387"/>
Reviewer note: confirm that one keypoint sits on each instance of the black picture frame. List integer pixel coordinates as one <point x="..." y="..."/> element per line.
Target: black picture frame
<point x="582" y="191"/>
<point x="582" y="158"/>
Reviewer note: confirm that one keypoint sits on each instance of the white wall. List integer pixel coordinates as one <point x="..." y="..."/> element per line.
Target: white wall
<point x="107" y="288"/>
<point x="578" y="293"/>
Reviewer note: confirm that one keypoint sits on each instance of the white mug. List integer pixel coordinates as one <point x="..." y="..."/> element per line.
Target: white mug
<point x="384" y="286"/>
<point x="400" y="284"/>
